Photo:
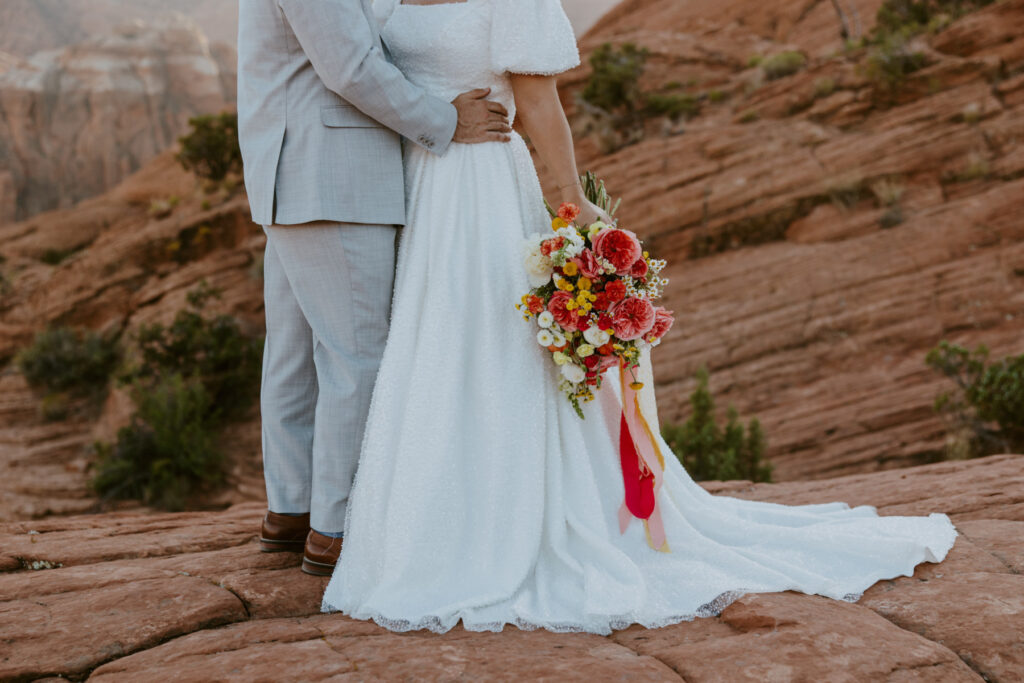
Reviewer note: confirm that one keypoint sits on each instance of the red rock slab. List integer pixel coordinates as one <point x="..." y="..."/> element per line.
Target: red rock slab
<point x="329" y="646"/>
<point x="277" y="593"/>
<point x="1003" y="539"/>
<point x="69" y="633"/>
<point x="97" y="538"/>
<point x="979" y="616"/>
<point x="791" y="637"/>
<point x="985" y="488"/>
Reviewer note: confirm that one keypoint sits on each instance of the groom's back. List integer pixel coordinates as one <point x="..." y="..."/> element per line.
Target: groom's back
<point x="309" y="155"/>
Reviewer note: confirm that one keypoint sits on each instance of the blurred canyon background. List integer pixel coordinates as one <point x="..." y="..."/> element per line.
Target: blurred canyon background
<point x="831" y="209"/>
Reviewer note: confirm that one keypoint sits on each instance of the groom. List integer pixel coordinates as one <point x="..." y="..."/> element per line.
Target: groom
<point x="321" y="111"/>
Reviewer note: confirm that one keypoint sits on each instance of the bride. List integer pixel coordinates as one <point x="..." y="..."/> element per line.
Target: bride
<point x="480" y="495"/>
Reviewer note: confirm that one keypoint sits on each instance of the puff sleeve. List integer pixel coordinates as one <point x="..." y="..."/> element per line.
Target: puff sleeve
<point x="532" y="37"/>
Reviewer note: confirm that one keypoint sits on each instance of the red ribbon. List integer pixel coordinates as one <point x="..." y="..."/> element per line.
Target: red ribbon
<point x="643" y="468"/>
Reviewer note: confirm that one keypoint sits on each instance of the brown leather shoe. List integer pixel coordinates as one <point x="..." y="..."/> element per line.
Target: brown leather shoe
<point x="284" y="533"/>
<point x="321" y="554"/>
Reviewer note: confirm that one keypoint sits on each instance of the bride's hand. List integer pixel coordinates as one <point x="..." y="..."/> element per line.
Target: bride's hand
<point x="590" y="213"/>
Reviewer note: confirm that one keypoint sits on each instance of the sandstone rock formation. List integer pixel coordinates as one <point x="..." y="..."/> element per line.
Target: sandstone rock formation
<point x="129" y="258"/>
<point x="29" y="26"/>
<point x="821" y="331"/>
<point x="75" y="121"/>
<point x="128" y="597"/>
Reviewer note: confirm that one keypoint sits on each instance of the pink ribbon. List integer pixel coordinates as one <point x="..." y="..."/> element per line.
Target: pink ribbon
<point x="643" y="469"/>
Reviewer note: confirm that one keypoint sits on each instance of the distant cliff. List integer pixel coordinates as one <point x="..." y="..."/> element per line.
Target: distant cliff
<point x="76" y="121"/>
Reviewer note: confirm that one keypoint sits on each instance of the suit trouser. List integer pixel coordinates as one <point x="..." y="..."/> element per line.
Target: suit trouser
<point x="327" y="290"/>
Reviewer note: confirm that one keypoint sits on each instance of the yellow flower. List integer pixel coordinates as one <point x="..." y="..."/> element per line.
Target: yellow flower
<point x="584" y="282"/>
<point x="570" y="269"/>
<point x="585" y="350"/>
<point x="560" y="358"/>
<point x="558" y="224"/>
<point x="571" y="305"/>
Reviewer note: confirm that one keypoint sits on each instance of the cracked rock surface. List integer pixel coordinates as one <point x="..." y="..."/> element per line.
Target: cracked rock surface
<point x="188" y="596"/>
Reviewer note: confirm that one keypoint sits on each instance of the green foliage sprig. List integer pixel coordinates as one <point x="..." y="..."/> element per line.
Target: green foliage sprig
<point x="987" y="405"/>
<point x="711" y="452"/>
<point x="211" y="150"/>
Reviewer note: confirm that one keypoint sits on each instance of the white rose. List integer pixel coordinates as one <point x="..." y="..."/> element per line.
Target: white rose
<point x="545" y="338"/>
<point x="573" y="373"/>
<point x="596" y="336"/>
<point x="546" y="320"/>
<point x="538" y="268"/>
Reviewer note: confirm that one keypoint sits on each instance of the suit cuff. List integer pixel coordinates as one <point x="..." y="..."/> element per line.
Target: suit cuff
<point x="439" y="136"/>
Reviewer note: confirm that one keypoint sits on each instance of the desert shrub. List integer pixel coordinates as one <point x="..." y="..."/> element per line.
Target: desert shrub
<point x="614" y="84"/>
<point x="825" y="86"/>
<point x="63" y="359"/>
<point x="168" y="452"/>
<point x="889" y="196"/>
<point x="54" y="257"/>
<point x="711" y="452"/>
<point x="750" y="116"/>
<point x="916" y="16"/>
<point x="672" y="105"/>
<point x="613" y="95"/>
<point x="189" y="378"/>
<point x="782" y="64"/>
<point x="212" y="350"/>
<point x="211" y="150"/>
<point x="890" y="60"/>
<point x="986" y="409"/>
<point x="976" y="167"/>
<point x="716" y="96"/>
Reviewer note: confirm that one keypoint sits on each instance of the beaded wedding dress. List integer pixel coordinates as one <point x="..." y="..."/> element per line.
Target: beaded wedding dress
<point x="480" y="494"/>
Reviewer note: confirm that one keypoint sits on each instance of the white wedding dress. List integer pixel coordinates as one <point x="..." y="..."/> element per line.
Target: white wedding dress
<point x="480" y="495"/>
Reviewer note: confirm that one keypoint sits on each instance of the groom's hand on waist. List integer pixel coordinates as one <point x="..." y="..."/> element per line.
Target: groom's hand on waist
<point x="480" y="120"/>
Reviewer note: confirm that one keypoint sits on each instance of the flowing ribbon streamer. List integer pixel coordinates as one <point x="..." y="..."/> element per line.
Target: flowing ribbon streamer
<point x="643" y="467"/>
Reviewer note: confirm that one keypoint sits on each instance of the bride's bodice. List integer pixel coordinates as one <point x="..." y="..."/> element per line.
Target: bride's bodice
<point x="445" y="49"/>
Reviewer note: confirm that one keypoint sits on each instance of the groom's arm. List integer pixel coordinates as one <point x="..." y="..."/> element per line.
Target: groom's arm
<point x="336" y="37"/>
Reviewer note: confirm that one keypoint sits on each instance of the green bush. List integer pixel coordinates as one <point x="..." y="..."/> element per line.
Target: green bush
<point x="212" y="350"/>
<point x="710" y="452"/>
<point x="916" y="16"/>
<point x="987" y="406"/>
<point x="211" y="150"/>
<point x="890" y="60"/>
<point x="168" y="451"/>
<point x="189" y="378"/>
<point x="613" y="91"/>
<point x="614" y="84"/>
<point x="672" y="105"/>
<point x="782" y="64"/>
<point x="63" y="359"/>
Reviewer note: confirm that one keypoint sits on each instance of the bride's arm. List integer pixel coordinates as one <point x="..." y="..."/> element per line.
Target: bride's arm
<point x="544" y="120"/>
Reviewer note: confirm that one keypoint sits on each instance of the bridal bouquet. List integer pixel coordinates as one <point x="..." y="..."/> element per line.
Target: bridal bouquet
<point x="592" y="299"/>
<point x="593" y="295"/>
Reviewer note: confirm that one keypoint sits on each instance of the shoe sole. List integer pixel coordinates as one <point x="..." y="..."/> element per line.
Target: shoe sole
<point x="269" y="545"/>
<point x="316" y="568"/>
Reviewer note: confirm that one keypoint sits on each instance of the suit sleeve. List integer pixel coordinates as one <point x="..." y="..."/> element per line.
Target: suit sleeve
<point x="336" y="37"/>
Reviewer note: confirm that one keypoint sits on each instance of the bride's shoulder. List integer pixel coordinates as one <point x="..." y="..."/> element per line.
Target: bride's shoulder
<point x="532" y="37"/>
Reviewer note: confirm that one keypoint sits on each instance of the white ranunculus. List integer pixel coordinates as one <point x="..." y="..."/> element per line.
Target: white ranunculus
<point x="539" y="268"/>
<point x="545" y="338"/>
<point x="546" y="320"/>
<point x="596" y="336"/>
<point x="559" y="339"/>
<point x="573" y="373"/>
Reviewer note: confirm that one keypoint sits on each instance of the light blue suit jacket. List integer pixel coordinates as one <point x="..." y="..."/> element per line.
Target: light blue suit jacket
<point x="320" y="112"/>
